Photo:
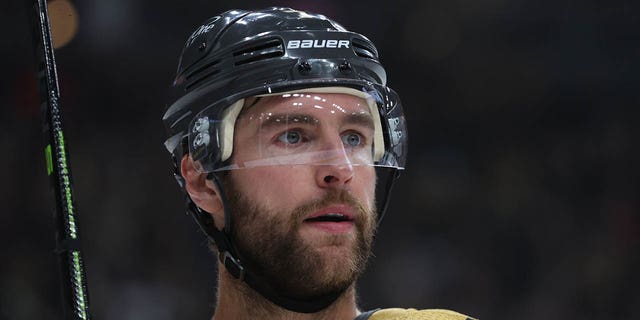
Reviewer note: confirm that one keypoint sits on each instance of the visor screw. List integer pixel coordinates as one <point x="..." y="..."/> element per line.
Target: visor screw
<point x="344" y="66"/>
<point x="202" y="46"/>
<point x="201" y="139"/>
<point x="201" y="125"/>
<point x="304" y="67"/>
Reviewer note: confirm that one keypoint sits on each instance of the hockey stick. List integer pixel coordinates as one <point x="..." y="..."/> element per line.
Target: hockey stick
<point x="74" y="285"/>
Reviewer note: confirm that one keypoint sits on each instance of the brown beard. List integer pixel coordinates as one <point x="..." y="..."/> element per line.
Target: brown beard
<point x="270" y="245"/>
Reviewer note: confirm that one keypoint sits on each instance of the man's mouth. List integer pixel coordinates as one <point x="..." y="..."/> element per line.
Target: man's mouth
<point x="330" y="217"/>
<point x="334" y="219"/>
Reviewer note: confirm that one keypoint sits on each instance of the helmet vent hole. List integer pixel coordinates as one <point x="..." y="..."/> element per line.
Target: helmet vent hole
<point x="364" y="49"/>
<point x="202" y="73"/>
<point x="260" y="51"/>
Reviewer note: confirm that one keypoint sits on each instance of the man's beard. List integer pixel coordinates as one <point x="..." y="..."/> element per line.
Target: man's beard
<point x="271" y="247"/>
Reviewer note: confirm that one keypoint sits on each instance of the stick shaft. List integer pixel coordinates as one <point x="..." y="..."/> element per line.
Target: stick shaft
<point x="74" y="284"/>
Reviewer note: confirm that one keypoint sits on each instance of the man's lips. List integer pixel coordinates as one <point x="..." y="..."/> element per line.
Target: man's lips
<point x="334" y="219"/>
<point x="338" y="213"/>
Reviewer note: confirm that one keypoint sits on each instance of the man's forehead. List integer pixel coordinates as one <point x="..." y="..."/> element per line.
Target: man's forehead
<point x="289" y="102"/>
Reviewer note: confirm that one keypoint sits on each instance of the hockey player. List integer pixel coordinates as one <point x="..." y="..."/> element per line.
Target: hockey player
<point x="286" y="142"/>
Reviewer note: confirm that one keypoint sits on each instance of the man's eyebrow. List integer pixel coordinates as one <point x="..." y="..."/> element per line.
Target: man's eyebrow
<point x="281" y="119"/>
<point x="360" y="118"/>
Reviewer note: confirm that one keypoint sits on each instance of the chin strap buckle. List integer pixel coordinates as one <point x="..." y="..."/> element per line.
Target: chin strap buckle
<point x="233" y="266"/>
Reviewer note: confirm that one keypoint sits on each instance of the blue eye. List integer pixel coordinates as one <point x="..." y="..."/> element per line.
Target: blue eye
<point x="290" y="137"/>
<point x="352" y="139"/>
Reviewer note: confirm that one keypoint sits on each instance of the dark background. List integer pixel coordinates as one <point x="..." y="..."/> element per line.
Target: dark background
<point x="520" y="199"/>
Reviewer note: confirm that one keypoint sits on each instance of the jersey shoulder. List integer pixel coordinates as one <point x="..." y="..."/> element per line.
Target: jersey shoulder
<point x="413" y="314"/>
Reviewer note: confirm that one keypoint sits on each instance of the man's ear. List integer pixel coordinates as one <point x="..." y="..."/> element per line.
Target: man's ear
<point x="203" y="192"/>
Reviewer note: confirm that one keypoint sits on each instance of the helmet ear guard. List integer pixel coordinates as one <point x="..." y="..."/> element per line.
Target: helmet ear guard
<point x="210" y="140"/>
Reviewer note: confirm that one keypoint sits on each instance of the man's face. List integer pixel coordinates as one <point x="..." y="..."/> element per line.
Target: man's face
<point x="306" y="220"/>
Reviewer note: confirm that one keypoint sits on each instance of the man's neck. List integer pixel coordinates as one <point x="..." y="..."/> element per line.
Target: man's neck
<point x="236" y="301"/>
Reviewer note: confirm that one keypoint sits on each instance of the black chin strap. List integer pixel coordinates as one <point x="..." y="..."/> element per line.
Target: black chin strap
<point x="229" y="257"/>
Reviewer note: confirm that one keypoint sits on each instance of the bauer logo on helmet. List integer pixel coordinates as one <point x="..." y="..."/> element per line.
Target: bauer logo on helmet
<point x="310" y="43"/>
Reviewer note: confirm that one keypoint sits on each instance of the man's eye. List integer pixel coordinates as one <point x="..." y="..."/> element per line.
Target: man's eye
<point x="290" y="137"/>
<point x="352" y="139"/>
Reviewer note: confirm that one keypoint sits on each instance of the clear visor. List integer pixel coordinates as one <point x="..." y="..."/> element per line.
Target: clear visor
<point x="321" y="126"/>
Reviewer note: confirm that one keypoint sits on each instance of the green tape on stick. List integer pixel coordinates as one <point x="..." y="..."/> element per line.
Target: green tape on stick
<point x="48" y="159"/>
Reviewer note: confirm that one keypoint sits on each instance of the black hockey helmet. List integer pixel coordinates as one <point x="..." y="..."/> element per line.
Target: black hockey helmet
<point x="241" y="54"/>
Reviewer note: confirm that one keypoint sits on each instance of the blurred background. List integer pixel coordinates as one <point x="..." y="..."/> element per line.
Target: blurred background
<point x="520" y="199"/>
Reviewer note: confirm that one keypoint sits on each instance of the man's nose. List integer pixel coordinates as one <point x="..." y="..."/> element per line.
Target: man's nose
<point x="336" y="172"/>
<point x="334" y="175"/>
